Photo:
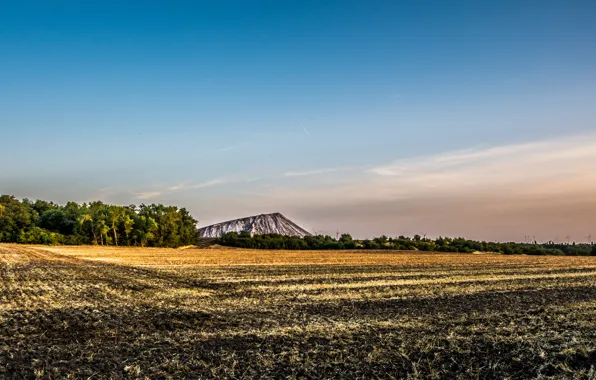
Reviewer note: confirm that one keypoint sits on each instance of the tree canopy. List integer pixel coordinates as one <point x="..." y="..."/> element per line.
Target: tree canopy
<point x="43" y="222"/>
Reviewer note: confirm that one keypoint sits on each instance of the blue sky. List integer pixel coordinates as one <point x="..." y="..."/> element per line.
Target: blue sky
<point x="231" y="108"/>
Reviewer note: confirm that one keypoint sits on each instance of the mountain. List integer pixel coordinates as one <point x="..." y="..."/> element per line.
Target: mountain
<point x="274" y="223"/>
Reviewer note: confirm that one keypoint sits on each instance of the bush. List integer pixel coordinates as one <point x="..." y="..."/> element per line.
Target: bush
<point x="461" y="245"/>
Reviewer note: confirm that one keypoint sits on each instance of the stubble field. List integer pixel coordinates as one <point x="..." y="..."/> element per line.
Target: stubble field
<point x="93" y="312"/>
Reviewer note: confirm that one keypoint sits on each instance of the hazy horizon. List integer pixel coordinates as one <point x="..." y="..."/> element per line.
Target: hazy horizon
<point x="447" y="119"/>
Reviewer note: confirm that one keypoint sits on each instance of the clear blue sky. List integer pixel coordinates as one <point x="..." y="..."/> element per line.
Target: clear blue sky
<point x="213" y="105"/>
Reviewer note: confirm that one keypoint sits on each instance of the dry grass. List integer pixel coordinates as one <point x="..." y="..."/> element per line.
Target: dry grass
<point x="92" y="312"/>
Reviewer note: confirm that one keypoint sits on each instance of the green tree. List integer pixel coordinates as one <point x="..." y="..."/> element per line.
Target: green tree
<point x="16" y="217"/>
<point x="151" y="228"/>
<point x="103" y="230"/>
<point x="98" y="223"/>
<point x="87" y="219"/>
<point x="115" y="214"/>
<point x="128" y="223"/>
<point x="56" y="220"/>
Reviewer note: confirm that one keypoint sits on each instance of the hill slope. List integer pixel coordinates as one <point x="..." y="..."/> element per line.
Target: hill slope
<point x="274" y="223"/>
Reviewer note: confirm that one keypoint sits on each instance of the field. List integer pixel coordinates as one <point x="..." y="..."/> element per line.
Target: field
<point x="93" y="312"/>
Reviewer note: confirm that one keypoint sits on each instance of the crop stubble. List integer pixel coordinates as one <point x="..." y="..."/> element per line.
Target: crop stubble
<point x="94" y="312"/>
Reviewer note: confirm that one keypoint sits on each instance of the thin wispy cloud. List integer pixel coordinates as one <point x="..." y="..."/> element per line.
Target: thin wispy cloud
<point x="148" y="194"/>
<point x="305" y="131"/>
<point x="177" y="188"/>
<point x="522" y="163"/>
<point x="254" y="179"/>
<point x="539" y="166"/>
<point x="309" y="172"/>
<point x="101" y="195"/>
<point x="210" y="183"/>
<point x="478" y="156"/>
<point x="227" y="149"/>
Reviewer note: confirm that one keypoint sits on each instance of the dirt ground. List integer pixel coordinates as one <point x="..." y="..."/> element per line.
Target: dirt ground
<point x="96" y="312"/>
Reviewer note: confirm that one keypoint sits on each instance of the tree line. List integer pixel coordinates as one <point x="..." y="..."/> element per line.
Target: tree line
<point x="418" y="243"/>
<point x="43" y="222"/>
<point x="156" y="225"/>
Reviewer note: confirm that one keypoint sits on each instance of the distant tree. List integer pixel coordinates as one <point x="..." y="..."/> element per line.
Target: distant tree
<point x="42" y="206"/>
<point x="115" y="214"/>
<point x="103" y="229"/>
<point x="145" y="230"/>
<point x="56" y="220"/>
<point x="87" y="219"/>
<point x="128" y="223"/>
<point x="347" y="241"/>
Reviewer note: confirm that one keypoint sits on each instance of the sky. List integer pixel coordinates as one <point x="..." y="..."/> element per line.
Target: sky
<point x="459" y="118"/>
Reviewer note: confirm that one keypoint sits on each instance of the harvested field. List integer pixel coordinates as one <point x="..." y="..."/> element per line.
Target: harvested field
<point x="93" y="312"/>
